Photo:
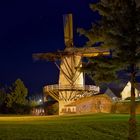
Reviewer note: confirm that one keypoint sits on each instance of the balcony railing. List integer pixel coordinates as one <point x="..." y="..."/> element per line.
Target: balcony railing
<point x="69" y="87"/>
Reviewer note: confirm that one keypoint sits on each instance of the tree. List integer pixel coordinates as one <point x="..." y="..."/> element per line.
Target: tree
<point x="2" y="99"/>
<point x="119" y="31"/>
<point x="2" y="96"/>
<point x="51" y="108"/>
<point x="16" y="98"/>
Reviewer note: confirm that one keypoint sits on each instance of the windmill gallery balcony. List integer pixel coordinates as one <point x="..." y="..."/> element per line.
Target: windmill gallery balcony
<point x="73" y="92"/>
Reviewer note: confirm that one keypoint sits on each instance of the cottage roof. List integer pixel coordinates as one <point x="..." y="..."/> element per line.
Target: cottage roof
<point x="110" y="93"/>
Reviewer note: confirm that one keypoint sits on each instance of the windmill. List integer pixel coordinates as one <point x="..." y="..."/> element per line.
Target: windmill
<point x="71" y="85"/>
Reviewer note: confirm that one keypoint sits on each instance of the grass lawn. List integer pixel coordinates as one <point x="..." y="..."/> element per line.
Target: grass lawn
<point x="80" y="127"/>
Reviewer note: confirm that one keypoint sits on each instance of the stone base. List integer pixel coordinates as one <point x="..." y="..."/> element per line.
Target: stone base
<point x="66" y="108"/>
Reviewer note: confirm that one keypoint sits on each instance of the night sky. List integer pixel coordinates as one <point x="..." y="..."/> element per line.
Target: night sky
<point x="28" y="27"/>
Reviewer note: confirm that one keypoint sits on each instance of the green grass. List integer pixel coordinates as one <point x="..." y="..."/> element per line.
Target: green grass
<point x="80" y="127"/>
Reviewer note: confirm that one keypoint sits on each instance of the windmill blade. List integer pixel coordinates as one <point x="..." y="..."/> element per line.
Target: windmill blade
<point x="68" y="30"/>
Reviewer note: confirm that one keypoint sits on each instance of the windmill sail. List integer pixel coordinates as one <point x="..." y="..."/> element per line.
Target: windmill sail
<point x="68" y="30"/>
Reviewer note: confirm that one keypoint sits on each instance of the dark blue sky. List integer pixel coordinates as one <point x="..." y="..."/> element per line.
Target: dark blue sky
<point x="28" y="27"/>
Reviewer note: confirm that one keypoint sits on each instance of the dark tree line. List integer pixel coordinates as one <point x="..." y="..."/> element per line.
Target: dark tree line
<point x="13" y="99"/>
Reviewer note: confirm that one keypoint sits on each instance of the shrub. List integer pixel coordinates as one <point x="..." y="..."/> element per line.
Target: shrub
<point x="52" y="109"/>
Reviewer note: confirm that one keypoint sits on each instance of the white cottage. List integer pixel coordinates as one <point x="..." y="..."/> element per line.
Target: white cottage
<point x="127" y="91"/>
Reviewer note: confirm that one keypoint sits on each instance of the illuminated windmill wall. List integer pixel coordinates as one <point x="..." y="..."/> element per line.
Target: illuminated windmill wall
<point x="71" y="81"/>
<point x="69" y="76"/>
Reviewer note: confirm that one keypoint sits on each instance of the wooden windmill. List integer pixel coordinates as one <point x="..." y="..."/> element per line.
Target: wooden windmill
<point x="71" y="84"/>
